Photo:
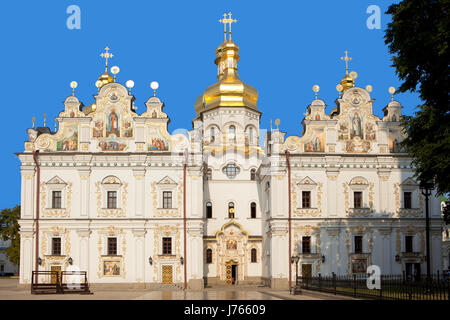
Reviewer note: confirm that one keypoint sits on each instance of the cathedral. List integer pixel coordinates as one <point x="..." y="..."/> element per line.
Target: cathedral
<point x="111" y="192"/>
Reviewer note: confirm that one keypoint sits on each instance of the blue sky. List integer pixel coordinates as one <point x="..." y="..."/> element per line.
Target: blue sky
<point x="286" y="47"/>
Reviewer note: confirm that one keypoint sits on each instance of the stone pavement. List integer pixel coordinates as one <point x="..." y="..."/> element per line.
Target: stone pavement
<point x="10" y="291"/>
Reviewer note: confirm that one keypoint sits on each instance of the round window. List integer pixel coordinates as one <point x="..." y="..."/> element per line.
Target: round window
<point x="231" y="170"/>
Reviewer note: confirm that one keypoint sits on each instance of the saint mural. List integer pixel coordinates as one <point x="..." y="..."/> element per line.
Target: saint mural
<point x="113" y="124"/>
<point x="317" y="144"/>
<point x="98" y="130"/>
<point x="128" y="131"/>
<point x="111" y="268"/>
<point x="395" y="142"/>
<point x="370" y="132"/>
<point x="70" y="142"/>
<point x="356" y="129"/>
<point x="158" y="144"/>
<point x="232" y="244"/>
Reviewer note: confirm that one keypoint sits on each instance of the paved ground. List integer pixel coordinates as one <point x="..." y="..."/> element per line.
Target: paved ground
<point x="10" y="291"/>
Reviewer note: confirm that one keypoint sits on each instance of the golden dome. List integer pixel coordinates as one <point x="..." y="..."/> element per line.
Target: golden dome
<point x="229" y="91"/>
<point x="347" y="82"/>
<point x="105" y="78"/>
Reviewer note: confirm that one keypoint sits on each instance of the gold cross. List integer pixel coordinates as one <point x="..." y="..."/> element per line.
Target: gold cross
<point x="107" y="56"/>
<point x="226" y="20"/>
<point x="346" y="59"/>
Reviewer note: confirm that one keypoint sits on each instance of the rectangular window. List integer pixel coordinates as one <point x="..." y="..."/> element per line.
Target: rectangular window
<point x="56" y="200"/>
<point x="112" y="246"/>
<point x="358" y="244"/>
<point x="407" y="200"/>
<point x="357" y="199"/>
<point x="167" y="245"/>
<point x="56" y="246"/>
<point x="167" y="199"/>
<point x="306" y="244"/>
<point x="408" y="244"/>
<point x="306" y="199"/>
<point x="112" y="200"/>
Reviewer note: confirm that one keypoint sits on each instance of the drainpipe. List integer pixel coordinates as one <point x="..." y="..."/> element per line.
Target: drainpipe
<point x="289" y="219"/>
<point x="38" y="182"/>
<point x="184" y="222"/>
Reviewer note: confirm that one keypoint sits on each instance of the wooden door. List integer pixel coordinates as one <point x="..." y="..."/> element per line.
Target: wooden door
<point x="55" y="276"/>
<point x="306" y="270"/>
<point x="229" y="273"/>
<point x="167" y="274"/>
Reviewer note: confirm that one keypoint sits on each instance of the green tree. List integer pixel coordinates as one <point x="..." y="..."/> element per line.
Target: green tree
<point x="418" y="39"/>
<point x="9" y="230"/>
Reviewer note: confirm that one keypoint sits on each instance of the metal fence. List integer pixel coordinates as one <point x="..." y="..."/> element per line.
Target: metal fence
<point x="392" y="287"/>
<point x="59" y="282"/>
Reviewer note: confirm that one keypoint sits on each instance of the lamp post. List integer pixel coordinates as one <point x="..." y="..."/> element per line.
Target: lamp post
<point x="426" y="186"/>
<point x="297" y="287"/>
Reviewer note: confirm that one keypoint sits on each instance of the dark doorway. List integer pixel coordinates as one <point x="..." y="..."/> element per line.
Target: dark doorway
<point x="233" y="273"/>
<point x="412" y="271"/>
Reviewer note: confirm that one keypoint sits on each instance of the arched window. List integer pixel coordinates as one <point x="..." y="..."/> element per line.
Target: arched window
<point x="208" y="210"/>
<point x="231" y="210"/>
<point x="212" y="134"/>
<point x="208" y="256"/>
<point x="232" y="132"/>
<point x="253" y="255"/>
<point x="253" y="210"/>
<point x="253" y="174"/>
<point x="231" y="170"/>
<point x="250" y="135"/>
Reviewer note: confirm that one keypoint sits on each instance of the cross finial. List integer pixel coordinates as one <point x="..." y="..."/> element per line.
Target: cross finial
<point x="346" y="59"/>
<point x="107" y="56"/>
<point x="226" y="20"/>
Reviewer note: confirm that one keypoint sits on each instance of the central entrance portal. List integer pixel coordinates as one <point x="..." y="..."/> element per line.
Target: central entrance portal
<point x="231" y="272"/>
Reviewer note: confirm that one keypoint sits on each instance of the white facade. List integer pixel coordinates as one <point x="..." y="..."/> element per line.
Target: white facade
<point x="108" y="151"/>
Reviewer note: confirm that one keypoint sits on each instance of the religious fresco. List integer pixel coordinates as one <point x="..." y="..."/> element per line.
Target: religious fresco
<point x="127" y="130"/>
<point x="355" y="125"/>
<point x="70" y="140"/>
<point x="112" y="145"/>
<point x="232" y="244"/>
<point x="343" y="131"/>
<point x="359" y="265"/>
<point x="370" y="132"/>
<point x="317" y="144"/>
<point x="111" y="268"/>
<point x="158" y="144"/>
<point x="97" y="132"/>
<point x="112" y="124"/>
<point x="395" y="139"/>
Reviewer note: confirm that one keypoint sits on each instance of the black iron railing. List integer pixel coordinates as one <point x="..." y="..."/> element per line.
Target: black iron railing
<point x="392" y="287"/>
<point x="59" y="282"/>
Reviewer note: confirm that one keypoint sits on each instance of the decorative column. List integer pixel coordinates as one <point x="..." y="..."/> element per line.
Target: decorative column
<point x="332" y="191"/>
<point x="385" y="253"/>
<point x="333" y="261"/>
<point x="139" y="191"/>
<point x="27" y="256"/>
<point x="194" y="257"/>
<point x="384" y="193"/>
<point x="83" y="254"/>
<point x="84" y="191"/>
<point x="27" y="193"/>
<point x="139" y="255"/>
<point x="280" y="257"/>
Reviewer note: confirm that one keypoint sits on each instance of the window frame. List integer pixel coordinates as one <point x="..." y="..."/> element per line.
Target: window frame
<point x="357" y="200"/>
<point x="111" y="246"/>
<point x="166" y="246"/>
<point x="231" y="215"/>
<point x="253" y="255"/>
<point x="358" y="245"/>
<point x="409" y="243"/>
<point x="253" y="210"/>
<point x="57" y="201"/>
<point x="306" y="244"/>
<point x="209" y="257"/>
<point x="167" y="196"/>
<point x="56" y="246"/>
<point x="306" y="205"/>
<point x="209" y="209"/>
<point x="111" y="202"/>
<point x="407" y="201"/>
